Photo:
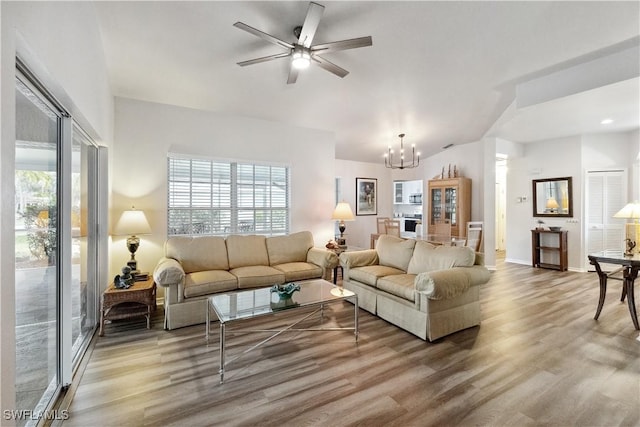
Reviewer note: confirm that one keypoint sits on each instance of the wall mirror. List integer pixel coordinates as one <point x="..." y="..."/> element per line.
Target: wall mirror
<point x="553" y="197"/>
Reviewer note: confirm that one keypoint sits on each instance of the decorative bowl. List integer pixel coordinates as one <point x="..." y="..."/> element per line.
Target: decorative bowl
<point x="285" y="291"/>
<point x="555" y="228"/>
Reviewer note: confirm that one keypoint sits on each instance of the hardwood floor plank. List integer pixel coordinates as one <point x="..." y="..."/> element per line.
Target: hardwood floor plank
<point x="539" y="358"/>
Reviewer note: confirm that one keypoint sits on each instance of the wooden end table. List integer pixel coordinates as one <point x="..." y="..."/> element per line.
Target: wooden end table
<point x="138" y="300"/>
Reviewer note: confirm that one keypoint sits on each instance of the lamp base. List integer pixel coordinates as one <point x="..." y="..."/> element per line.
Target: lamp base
<point x="133" y="265"/>
<point x="133" y="243"/>
<point x="632" y="236"/>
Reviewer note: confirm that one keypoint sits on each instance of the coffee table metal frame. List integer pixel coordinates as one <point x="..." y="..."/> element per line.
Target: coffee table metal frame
<point x="327" y="294"/>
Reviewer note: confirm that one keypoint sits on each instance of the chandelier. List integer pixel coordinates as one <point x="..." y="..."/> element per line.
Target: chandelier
<point x="415" y="157"/>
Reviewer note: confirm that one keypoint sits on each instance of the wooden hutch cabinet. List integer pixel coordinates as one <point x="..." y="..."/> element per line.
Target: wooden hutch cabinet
<point x="449" y="207"/>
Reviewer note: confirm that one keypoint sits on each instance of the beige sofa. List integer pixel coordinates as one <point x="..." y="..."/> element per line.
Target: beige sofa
<point x="196" y="267"/>
<point x="430" y="291"/>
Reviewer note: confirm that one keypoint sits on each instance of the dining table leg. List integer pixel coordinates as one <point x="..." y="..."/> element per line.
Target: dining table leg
<point x="630" y="275"/>
<point x="602" y="276"/>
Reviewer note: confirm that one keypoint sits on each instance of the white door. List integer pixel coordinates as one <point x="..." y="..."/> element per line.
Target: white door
<point x="605" y="194"/>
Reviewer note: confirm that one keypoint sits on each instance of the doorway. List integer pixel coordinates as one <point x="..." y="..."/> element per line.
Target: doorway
<point x="501" y="201"/>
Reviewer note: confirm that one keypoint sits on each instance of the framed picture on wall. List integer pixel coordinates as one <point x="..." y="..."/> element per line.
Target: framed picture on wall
<point x="366" y="196"/>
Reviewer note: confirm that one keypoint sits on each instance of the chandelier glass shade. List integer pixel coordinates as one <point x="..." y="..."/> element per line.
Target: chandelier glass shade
<point x="402" y="164"/>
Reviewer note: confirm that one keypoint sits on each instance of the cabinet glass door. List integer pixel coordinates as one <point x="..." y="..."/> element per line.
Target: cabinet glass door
<point x="398" y="192"/>
<point x="436" y="205"/>
<point x="450" y="205"/>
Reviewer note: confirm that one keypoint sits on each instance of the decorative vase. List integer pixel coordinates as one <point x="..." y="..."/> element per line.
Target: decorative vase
<point x="285" y="291"/>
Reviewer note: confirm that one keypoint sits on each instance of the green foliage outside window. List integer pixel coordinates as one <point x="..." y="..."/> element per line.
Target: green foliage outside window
<point x="40" y="222"/>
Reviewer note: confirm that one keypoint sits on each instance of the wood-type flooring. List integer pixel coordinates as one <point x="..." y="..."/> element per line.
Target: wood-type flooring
<point x="538" y="359"/>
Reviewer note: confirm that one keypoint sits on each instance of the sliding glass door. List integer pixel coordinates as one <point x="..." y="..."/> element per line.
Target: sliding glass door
<point x="38" y="127"/>
<point x="84" y="167"/>
<point x="55" y="206"/>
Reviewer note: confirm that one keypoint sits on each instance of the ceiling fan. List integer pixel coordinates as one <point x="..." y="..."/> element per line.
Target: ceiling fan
<point x="303" y="53"/>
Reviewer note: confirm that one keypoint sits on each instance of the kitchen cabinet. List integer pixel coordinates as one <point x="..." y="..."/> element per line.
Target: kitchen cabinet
<point x="405" y="192"/>
<point x="449" y="207"/>
<point x="398" y="192"/>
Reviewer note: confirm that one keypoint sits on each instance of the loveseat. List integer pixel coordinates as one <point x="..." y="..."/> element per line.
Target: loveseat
<point x="430" y="291"/>
<point x="194" y="268"/>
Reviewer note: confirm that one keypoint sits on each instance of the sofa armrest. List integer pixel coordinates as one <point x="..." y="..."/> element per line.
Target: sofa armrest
<point x="168" y="272"/>
<point x="359" y="258"/>
<point x="323" y="258"/>
<point x="450" y="283"/>
<point x="443" y="284"/>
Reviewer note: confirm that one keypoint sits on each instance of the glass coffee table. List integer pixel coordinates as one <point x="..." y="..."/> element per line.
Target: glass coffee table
<point x="313" y="295"/>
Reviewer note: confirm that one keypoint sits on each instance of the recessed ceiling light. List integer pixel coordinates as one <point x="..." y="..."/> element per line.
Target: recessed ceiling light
<point x="606" y="122"/>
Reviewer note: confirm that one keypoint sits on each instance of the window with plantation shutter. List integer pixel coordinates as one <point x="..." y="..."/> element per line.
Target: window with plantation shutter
<point x="220" y="198"/>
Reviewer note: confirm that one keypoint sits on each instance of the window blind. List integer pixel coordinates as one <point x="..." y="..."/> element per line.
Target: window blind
<point x="210" y="197"/>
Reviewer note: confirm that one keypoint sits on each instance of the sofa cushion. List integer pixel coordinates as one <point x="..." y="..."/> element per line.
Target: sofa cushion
<point x="299" y="271"/>
<point x="291" y="248"/>
<point x="257" y="275"/>
<point x="198" y="253"/>
<point x="369" y="274"/>
<point x="247" y="251"/>
<point x="394" y="251"/>
<point x="208" y="282"/>
<point x="427" y="257"/>
<point x="400" y="285"/>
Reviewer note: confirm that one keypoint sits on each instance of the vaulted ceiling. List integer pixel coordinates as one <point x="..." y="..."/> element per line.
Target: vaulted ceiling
<point x="442" y="72"/>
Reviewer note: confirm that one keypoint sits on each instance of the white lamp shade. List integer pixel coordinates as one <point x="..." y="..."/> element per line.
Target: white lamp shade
<point x="131" y="223"/>
<point x="343" y="212"/>
<point x="631" y="210"/>
<point x="552" y="203"/>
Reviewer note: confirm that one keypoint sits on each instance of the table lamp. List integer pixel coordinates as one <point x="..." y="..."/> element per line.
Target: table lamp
<point x="342" y="213"/>
<point x="132" y="223"/>
<point x="552" y="205"/>
<point x="632" y="230"/>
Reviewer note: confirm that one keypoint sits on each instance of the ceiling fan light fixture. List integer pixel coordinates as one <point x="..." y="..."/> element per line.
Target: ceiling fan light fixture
<point x="303" y="51"/>
<point x="301" y="58"/>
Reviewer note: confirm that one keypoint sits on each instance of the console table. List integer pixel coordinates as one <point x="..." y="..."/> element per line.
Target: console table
<point x="547" y="241"/>
<point x="630" y="267"/>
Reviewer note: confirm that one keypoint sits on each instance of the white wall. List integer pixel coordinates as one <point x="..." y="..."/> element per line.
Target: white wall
<point x="60" y="43"/>
<point x="145" y="132"/>
<point x="540" y="160"/>
<point x="358" y="232"/>
<point x="570" y="156"/>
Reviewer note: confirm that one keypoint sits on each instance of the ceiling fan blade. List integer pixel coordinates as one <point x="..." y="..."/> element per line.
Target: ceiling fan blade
<point x="293" y="75"/>
<point x="329" y="66"/>
<point x="342" y="45"/>
<point x="263" y="35"/>
<point x="314" y="13"/>
<point x="264" y="59"/>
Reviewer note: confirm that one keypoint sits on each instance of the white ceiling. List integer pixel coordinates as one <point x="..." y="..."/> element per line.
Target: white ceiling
<point x="441" y="72"/>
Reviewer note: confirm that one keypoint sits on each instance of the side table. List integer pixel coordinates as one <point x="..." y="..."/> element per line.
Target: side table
<point x="338" y="252"/>
<point x="138" y="300"/>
